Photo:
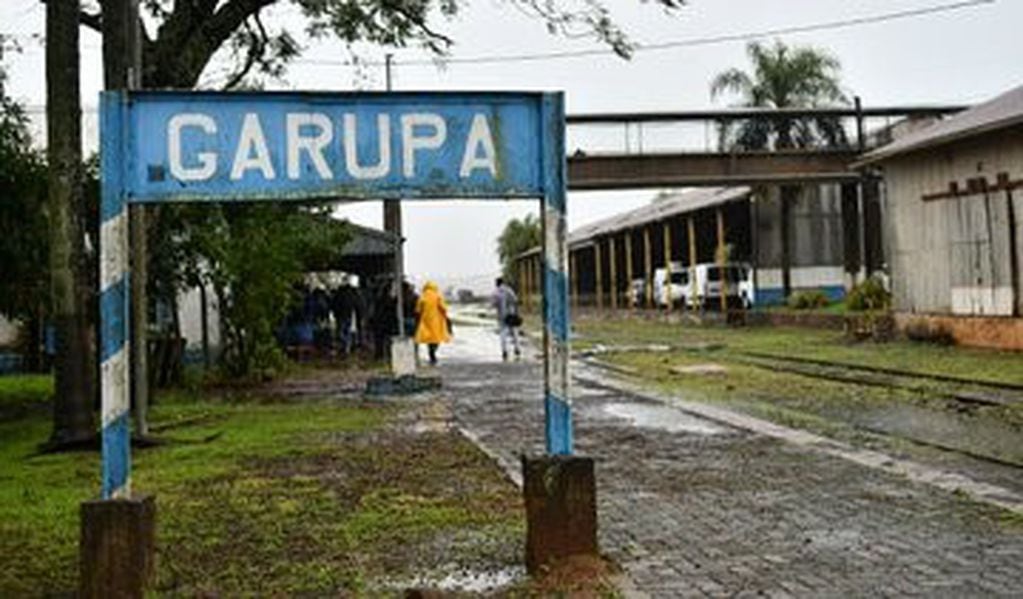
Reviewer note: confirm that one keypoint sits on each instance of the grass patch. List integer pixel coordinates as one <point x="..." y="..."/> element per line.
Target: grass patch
<point x="972" y="363"/>
<point x="22" y="392"/>
<point x="259" y="497"/>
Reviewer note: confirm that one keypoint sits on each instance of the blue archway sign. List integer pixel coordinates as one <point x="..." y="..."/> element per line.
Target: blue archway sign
<point x="221" y="147"/>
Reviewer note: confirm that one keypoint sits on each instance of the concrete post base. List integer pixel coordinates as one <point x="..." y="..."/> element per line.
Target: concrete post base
<point x="561" y="508"/>
<point x="117" y="547"/>
<point x="403" y="356"/>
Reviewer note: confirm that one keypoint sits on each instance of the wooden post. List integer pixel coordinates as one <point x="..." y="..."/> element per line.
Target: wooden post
<point x="612" y="262"/>
<point x="599" y="287"/>
<point x="628" y="270"/>
<point x="692" y="229"/>
<point x="721" y="260"/>
<point x="528" y="263"/>
<point x="648" y="268"/>
<point x="538" y="280"/>
<point x="667" y="266"/>
<point x="574" y="277"/>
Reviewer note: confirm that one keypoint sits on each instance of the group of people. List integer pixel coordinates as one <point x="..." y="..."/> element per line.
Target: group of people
<point x="347" y="318"/>
<point x="344" y="319"/>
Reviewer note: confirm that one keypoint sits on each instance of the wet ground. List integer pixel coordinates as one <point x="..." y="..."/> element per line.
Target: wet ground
<point x="690" y="505"/>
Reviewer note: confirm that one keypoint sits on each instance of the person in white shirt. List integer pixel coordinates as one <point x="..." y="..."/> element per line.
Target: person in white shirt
<point x="506" y="304"/>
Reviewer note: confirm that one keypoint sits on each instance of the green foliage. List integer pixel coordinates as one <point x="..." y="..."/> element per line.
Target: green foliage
<point x="869" y="295"/>
<point x="24" y="280"/>
<point x="252" y="255"/>
<point x="517" y="237"/>
<point x="783" y="77"/>
<point x="808" y="300"/>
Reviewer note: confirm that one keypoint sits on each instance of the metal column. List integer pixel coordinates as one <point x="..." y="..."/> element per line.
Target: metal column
<point x="557" y="404"/>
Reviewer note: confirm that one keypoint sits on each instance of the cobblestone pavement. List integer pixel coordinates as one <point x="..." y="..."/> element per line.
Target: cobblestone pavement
<point x="691" y="507"/>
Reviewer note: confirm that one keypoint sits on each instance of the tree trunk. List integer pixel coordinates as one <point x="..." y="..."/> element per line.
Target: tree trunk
<point x="69" y="283"/>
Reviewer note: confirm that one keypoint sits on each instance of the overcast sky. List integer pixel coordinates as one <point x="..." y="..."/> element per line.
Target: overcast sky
<point x="960" y="56"/>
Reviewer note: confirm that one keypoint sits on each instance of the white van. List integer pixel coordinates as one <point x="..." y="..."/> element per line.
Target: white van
<point x="700" y="286"/>
<point x="739" y="279"/>
<point x="678" y="291"/>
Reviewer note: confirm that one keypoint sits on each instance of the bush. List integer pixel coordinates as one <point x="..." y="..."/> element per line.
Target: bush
<point x="808" y="300"/>
<point x="869" y="295"/>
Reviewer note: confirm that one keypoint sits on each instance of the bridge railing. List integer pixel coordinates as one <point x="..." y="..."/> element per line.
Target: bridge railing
<point x="815" y="130"/>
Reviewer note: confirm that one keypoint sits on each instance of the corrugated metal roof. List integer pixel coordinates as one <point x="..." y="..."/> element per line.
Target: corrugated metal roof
<point x="660" y="209"/>
<point x="366" y="241"/>
<point x="1003" y="111"/>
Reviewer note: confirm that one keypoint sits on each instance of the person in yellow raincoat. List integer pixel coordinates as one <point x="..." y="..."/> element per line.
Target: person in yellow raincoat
<point x="432" y="314"/>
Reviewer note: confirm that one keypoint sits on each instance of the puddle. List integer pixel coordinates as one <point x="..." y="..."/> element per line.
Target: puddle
<point x="964" y="432"/>
<point x="662" y="418"/>
<point x="463" y="580"/>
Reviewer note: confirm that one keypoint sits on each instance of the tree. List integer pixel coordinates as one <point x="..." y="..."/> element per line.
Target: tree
<point x="784" y="77"/>
<point x="24" y="286"/>
<point x="517" y="237"/>
<point x="254" y="256"/>
<point x="70" y="285"/>
<point x="188" y="34"/>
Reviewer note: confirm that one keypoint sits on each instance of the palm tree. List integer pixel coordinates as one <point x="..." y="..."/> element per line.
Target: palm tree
<point x="783" y="77"/>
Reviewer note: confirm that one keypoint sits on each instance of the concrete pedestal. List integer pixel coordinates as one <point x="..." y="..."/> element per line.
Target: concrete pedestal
<point x="403" y="356"/>
<point x="561" y="508"/>
<point x="117" y="547"/>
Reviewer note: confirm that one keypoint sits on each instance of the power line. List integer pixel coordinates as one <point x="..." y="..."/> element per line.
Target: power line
<point x="683" y="43"/>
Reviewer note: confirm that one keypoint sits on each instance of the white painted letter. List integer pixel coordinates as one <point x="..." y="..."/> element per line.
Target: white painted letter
<point x="479" y="135"/>
<point x="383" y="165"/>
<point x="410" y="143"/>
<point x="207" y="160"/>
<point x="251" y="138"/>
<point x="313" y="145"/>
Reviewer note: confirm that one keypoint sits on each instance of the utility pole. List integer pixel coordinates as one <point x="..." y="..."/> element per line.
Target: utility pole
<point x="392" y="225"/>
<point x="122" y="69"/>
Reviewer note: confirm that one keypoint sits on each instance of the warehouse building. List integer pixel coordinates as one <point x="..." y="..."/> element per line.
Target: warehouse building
<point x="954" y="231"/>
<point x="608" y="259"/>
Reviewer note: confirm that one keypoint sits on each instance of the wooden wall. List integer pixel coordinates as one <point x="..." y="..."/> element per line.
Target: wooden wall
<point x="955" y="227"/>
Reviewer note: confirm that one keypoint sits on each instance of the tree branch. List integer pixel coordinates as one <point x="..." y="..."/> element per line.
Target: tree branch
<point x="91" y="20"/>
<point x="257" y="47"/>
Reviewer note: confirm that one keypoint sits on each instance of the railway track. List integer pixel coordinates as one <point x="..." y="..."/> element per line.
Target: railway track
<point x="967" y="391"/>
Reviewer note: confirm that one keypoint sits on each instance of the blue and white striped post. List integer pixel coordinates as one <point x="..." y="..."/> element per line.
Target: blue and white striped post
<point x="113" y="301"/>
<point x="557" y="405"/>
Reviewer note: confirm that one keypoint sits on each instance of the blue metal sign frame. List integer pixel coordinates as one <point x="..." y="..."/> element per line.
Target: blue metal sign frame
<point x="159" y="147"/>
